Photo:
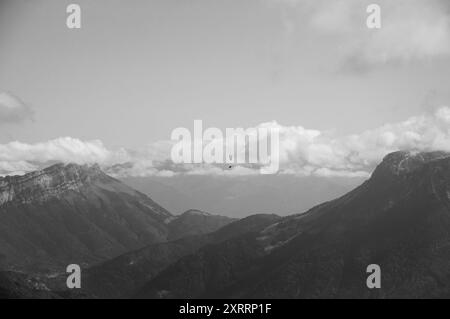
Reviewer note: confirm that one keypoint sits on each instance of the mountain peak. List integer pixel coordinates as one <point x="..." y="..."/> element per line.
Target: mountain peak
<point x="46" y="183"/>
<point x="195" y="212"/>
<point x="72" y="169"/>
<point x="403" y="162"/>
<point x="70" y="212"/>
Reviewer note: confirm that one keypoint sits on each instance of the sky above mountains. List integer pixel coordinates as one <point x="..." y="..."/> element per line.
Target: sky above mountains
<point x="113" y="91"/>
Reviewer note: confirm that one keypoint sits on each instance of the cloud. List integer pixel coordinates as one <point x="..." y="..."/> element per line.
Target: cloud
<point x="14" y="110"/>
<point x="306" y="152"/>
<point x="303" y="151"/>
<point x="313" y="152"/>
<point x="16" y="168"/>
<point x="18" y="157"/>
<point x="411" y="29"/>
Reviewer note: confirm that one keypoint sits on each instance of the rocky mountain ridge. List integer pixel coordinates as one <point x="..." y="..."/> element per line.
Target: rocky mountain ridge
<point x="69" y="213"/>
<point x="51" y="182"/>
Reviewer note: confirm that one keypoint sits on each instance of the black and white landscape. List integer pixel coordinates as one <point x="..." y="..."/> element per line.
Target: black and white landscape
<point x="132" y="247"/>
<point x="116" y="120"/>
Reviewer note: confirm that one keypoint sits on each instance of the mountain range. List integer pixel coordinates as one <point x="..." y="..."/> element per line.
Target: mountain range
<point x="77" y="214"/>
<point x="398" y="219"/>
<point x="129" y="246"/>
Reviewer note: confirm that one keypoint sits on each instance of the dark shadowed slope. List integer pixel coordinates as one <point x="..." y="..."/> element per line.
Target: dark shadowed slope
<point x="122" y="276"/>
<point x="15" y="285"/>
<point x="196" y="222"/>
<point x="399" y="219"/>
<point x="73" y="214"/>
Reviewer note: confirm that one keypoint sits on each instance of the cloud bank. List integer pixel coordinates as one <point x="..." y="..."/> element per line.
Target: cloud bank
<point x="315" y="152"/>
<point x="18" y="158"/>
<point x="303" y="151"/>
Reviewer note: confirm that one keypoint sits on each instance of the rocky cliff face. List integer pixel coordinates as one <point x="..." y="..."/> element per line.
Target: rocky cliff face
<point x="404" y="162"/>
<point x="52" y="182"/>
<point x="72" y="213"/>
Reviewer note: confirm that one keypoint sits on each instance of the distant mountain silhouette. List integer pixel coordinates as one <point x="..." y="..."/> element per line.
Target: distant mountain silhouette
<point x="398" y="219"/>
<point x="241" y="196"/>
<point x="195" y="222"/>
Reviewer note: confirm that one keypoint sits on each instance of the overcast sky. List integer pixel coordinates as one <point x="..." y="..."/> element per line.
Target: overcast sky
<point x="138" y="69"/>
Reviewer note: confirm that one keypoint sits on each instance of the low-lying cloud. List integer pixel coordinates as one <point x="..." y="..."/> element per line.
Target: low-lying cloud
<point x="303" y="151"/>
<point x="18" y="158"/>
